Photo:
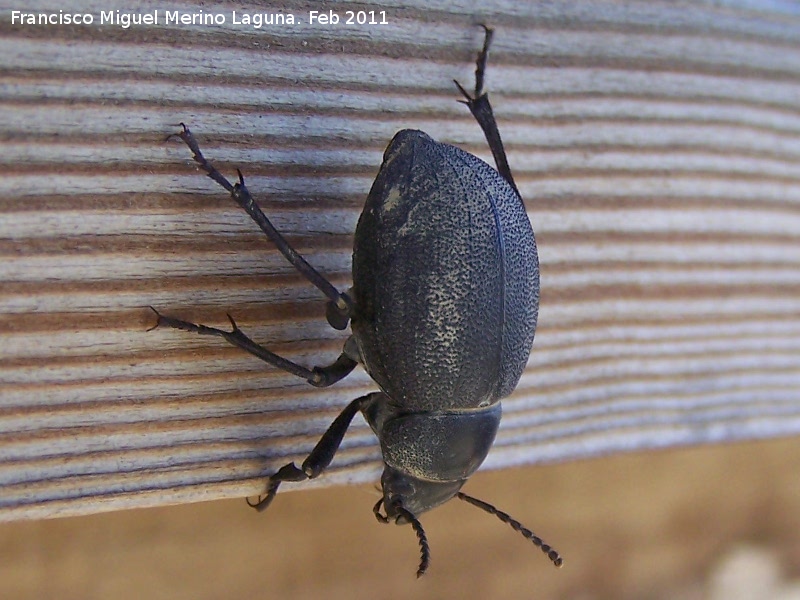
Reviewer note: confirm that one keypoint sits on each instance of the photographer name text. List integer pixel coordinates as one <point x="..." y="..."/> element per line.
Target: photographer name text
<point x="175" y="17"/>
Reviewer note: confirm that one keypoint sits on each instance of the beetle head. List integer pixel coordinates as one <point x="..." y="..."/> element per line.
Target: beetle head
<point x="403" y="494"/>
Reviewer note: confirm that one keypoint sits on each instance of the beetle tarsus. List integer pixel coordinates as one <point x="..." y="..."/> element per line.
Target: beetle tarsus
<point x="480" y="64"/>
<point x="288" y="472"/>
<point x="165" y="321"/>
<point x="257" y="504"/>
<point x="211" y="171"/>
<point x="481" y="109"/>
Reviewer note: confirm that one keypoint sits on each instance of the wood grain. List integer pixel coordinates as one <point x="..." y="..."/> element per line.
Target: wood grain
<point x="657" y="146"/>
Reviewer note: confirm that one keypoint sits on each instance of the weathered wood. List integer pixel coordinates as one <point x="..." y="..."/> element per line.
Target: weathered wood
<point x="657" y="147"/>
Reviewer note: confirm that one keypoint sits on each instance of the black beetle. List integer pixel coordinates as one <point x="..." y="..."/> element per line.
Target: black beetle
<point x="443" y="311"/>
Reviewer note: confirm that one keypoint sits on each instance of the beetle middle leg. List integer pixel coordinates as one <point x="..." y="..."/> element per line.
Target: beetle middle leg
<point x="481" y="109"/>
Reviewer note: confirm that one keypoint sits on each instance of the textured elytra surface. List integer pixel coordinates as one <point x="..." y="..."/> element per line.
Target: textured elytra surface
<point x="446" y="278"/>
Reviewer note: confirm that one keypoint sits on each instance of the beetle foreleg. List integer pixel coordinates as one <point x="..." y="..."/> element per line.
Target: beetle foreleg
<point x="481" y="109"/>
<point x="319" y="458"/>
<point x="241" y="195"/>
<point x="317" y="376"/>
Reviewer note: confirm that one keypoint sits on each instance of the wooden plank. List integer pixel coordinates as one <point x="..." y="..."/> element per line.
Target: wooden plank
<point x="657" y="147"/>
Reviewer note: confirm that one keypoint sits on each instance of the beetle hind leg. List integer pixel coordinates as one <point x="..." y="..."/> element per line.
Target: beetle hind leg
<point x="481" y="109"/>
<point x="239" y="192"/>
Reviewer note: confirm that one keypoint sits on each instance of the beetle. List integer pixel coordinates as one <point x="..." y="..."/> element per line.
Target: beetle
<point x="443" y="312"/>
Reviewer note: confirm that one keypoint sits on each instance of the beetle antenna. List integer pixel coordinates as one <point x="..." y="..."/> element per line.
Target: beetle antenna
<point x="551" y="552"/>
<point x="424" y="549"/>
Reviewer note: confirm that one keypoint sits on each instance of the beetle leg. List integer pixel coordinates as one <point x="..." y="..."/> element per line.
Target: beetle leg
<point x="241" y="195"/>
<point x="481" y="109"/>
<point x="319" y="458"/>
<point x="317" y="376"/>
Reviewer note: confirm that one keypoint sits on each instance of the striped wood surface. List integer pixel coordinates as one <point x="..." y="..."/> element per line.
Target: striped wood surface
<point x="657" y="146"/>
